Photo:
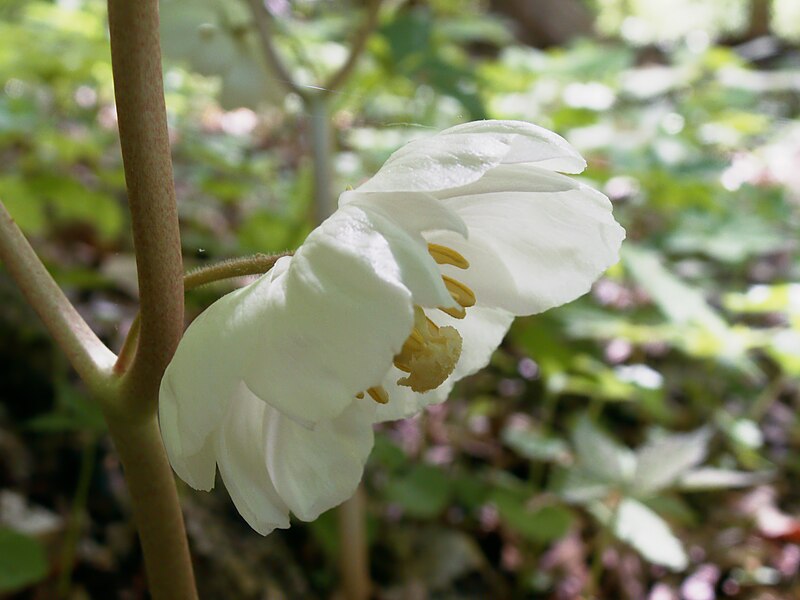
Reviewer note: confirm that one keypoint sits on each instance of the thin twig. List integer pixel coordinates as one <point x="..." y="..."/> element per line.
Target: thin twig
<point x="257" y="264"/>
<point x="262" y="19"/>
<point x="85" y="352"/>
<point x="357" y="46"/>
<point x="139" y="93"/>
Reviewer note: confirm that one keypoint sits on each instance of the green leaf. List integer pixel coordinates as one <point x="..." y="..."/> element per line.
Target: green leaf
<point x="680" y="302"/>
<point x="536" y="445"/>
<point x="576" y="485"/>
<point x="541" y="524"/>
<point x="661" y="462"/>
<point x="731" y="240"/>
<point x="24" y="206"/>
<point x="601" y="456"/>
<point x="22" y="560"/>
<point x="423" y="493"/>
<point x="710" y="478"/>
<point x="648" y="534"/>
<point x="73" y="412"/>
<point x="699" y="328"/>
<point x="387" y="454"/>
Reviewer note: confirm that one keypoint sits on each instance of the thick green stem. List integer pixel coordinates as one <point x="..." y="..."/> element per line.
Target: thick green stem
<point x="155" y="504"/>
<point x="131" y="407"/>
<point x="139" y="94"/>
<point x="85" y="352"/>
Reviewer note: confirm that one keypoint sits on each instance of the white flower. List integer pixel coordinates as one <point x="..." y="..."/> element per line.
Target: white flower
<point x="408" y="287"/>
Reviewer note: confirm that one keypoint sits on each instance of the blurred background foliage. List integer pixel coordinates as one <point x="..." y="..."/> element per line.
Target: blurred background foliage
<point x="641" y="442"/>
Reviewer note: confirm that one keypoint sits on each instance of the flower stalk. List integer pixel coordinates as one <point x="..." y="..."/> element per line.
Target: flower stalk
<point x="85" y="352"/>
<point x="141" y="110"/>
<point x="354" y="547"/>
<point x="130" y="407"/>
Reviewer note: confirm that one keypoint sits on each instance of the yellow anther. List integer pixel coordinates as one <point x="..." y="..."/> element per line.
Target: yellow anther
<point x="378" y="394"/>
<point x="460" y="292"/>
<point x="416" y="338"/>
<point x="432" y="327"/>
<point x="458" y="312"/>
<point x="402" y="366"/>
<point x="428" y="364"/>
<point x="360" y="395"/>
<point x="447" y="256"/>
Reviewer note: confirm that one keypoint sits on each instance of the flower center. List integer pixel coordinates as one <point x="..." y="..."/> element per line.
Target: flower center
<point x="430" y="353"/>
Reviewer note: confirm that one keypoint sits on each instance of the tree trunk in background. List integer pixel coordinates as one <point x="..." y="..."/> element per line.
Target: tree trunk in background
<point x="543" y="23"/>
<point x="759" y="18"/>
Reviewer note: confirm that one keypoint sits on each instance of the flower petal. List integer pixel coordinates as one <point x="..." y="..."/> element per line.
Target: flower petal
<point x="463" y="154"/>
<point x="530" y="144"/>
<point x="402" y="219"/>
<point x="199" y="468"/>
<point x="334" y="319"/>
<point x="241" y="453"/>
<point x="482" y="331"/>
<point x="531" y="250"/>
<point x="200" y="380"/>
<point x="315" y="469"/>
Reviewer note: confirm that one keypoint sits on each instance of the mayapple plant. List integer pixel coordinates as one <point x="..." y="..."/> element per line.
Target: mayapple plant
<point x="408" y="287"/>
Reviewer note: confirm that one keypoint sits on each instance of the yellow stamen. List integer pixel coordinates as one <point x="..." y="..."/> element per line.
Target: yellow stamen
<point x="416" y="339"/>
<point x="458" y="312"/>
<point x="402" y="366"/>
<point x="378" y="394"/>
<point x="360" y="395"/>
<point x="460" y="292"/>
<point x="428" y="364"/>
<point x="447" y="256"/>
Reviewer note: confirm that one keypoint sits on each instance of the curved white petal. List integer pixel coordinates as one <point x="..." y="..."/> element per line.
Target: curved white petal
<point x="403" y="219"/>
<point x="335" y="319"/>
<point x="414" y="212"/>
<point x="530" y="144"/>
<point x="241" y="453"/>
<point x="531" y="250"/>
<point x="202" y="376"/>
<point x="315" y="469"/>
<point x="197" y="468"/>
<point x="482" y="331"/>
<point x="463" y="154"/>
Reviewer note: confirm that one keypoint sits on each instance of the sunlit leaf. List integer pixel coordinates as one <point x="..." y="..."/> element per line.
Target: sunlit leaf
<point x="649" y="534"/>
<point x="661" y="462"/>
<point x="22" y="560"/>
<point x="709" y="478"/>
<point x="600" y="455"/>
